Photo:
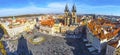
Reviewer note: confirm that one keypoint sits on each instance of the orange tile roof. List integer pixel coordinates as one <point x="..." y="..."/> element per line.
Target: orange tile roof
<point x="47" y="22"/>
<point x="96" y="25"/>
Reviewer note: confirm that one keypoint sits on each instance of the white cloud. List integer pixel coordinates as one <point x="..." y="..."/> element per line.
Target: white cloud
<point x="56" y="5"/>
<point x="51" y="8"/>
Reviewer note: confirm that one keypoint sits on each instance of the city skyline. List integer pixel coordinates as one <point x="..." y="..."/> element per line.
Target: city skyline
<point x="21" y="7"/>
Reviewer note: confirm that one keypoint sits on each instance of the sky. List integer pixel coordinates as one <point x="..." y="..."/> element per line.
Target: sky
<point x="21" y="7"/>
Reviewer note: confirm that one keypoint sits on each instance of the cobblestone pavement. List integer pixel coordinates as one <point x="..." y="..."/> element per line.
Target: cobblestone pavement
<point x="54" y="45"/>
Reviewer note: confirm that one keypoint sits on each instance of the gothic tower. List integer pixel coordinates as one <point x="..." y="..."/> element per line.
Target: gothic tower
<point x="74" y="16"/>
<point x="70" y="18"/>
<point x="69" y="21"/>
<point x="66" y="11"/>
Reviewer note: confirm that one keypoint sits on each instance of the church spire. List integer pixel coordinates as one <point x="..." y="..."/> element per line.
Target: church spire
<point x="66" y="8"/>
<point x="74" y="8"/>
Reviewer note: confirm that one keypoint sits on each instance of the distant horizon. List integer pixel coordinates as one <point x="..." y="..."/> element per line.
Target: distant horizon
<point x="23" y="7"/>
<point x="54" y="14"/>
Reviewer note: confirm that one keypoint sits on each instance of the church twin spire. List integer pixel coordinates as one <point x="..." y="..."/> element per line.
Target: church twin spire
<point x="73" y="8"/>
<point x="70" y="17"/>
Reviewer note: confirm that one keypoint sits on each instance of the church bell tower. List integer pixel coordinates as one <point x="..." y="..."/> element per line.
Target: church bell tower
<point x="74" y="16"/>
<point x="70" y="18"/>
<point x="66" y="11"/>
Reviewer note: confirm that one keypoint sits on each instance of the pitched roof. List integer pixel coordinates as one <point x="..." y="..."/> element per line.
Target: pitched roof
<point x="66" y="8"/>
<point x="115" y="41"/>
<point x="96" y="27"/>
<point x="74" y="8"/>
